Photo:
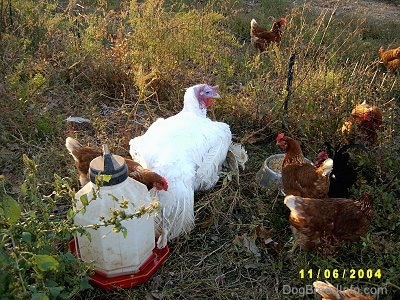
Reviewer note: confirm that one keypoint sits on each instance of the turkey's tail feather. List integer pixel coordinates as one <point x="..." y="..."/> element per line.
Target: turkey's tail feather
<point x="239" y="153"/>
<point x="236" y="156"/>
<point x="207" y="173"/>
<point x="176" y="216"/>
<point x="135" y="154"/>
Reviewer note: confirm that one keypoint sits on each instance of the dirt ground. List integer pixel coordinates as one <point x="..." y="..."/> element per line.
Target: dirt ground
<point x="389" y="11"/>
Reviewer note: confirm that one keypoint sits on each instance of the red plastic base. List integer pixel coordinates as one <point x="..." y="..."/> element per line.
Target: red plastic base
<point x="146" y="270"/>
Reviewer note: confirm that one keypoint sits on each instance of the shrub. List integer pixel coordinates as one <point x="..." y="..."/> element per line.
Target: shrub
<point x="34" y="236"/>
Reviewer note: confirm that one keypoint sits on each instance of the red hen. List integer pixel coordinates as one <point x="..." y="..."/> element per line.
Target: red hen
<point x="299" y="177"/>
<point x="365" y="120"/>
<point x="329" y="292"/>
<point x="84" y="155"/>
<point x="322" y="224"/>
<point x="390" y="58"/>
<point x="261" y="37"/>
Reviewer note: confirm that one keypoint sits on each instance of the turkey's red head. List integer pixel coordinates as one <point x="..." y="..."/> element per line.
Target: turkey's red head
<point x="205" y="94"/>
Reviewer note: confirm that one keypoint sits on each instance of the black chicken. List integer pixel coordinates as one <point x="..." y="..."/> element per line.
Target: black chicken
<point x="344" y="173"/>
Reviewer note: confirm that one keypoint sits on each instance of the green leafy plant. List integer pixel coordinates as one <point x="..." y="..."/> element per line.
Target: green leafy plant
<point x="33" y="243"/>
<point x="34" y="238"/>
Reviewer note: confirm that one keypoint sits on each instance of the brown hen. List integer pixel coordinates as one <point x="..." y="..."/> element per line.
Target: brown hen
<point x="324" y="224"/>
<point x="365" y="120"/>
<point x="84" y="155"/>
<point x="261" y="37"/>
<point x="329" y="292"/>
<point x="299" y="177"/>
<point x="390" y="58"/>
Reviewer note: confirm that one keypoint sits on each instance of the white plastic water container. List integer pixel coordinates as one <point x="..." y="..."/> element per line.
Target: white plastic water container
<point x="111" y="252"/>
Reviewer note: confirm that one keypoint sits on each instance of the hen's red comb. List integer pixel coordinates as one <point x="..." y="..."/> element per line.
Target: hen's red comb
<point x="280" y="136"/>
<point x="322" y="155"/>
<point x="165" y="183"/>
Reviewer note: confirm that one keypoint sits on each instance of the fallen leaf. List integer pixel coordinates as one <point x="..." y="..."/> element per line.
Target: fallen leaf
<point x="248" y="243"/>
<point x="77" y="120"/>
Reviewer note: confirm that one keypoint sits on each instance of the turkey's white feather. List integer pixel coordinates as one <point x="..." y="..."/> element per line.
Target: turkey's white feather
<point x="236" y="156"/>
<point x="213" y="154"/>
<point x="188" y="149"/>
<point x="240" y="156"/>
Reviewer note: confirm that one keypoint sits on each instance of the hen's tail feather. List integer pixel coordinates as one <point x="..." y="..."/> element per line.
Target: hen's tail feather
<point x="326" y="167"/>
<point x="294" y="204"/>
<point x="326" y="290"/>
<point x="290" y="202"/>
<point x="73" y="146"/>
<point x="329" y="292"/>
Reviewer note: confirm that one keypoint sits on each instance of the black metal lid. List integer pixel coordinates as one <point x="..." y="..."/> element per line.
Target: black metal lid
<point x="108" y="164"/>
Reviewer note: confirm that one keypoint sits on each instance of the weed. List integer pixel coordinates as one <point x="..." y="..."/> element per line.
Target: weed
<point x="34" y="238"/>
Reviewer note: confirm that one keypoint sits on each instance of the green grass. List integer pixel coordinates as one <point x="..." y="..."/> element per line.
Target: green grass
<point x="122" y="65"/>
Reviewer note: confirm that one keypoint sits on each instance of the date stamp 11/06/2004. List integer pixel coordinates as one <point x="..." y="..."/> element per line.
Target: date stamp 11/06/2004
<point x="336" y="274"/>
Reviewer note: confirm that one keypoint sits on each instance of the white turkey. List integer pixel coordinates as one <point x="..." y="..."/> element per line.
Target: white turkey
<point x="188" y="149"/>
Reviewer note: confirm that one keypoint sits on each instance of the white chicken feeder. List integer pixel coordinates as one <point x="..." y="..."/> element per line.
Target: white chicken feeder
<point x="113" y="254"/>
